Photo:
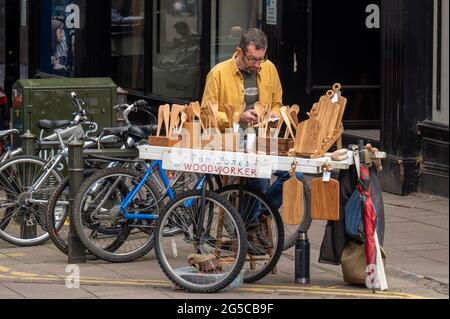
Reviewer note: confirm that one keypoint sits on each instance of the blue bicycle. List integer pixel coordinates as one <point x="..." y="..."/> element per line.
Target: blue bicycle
<point x="120" y="214"/>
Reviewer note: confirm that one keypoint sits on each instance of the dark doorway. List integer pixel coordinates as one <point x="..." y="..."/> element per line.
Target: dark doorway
<point x="323" y="43"/>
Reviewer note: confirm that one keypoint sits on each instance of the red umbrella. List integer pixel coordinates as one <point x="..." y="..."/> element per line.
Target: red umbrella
<point x="369" y="218"/>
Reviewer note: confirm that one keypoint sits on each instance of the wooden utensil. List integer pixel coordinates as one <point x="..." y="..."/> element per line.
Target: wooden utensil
<point x="295" y="108"/>
<point x="230" y="116"/>
<point x="279" y="126"/>
<point x="325" y="200"/>
<point x="259" y="110"/>
<point x="293" y="200"/>
<point x="184" y="119"/>
<point x="166" y="115"/>
<point x="189" y="110"/>
<point x="160" y="120"/>
<point x="214" y="108"/>
<point x="294" y="118"/>
<point x="173" y="118"/>
<point x="198" y="113"/>
<point x="286" y="119"/>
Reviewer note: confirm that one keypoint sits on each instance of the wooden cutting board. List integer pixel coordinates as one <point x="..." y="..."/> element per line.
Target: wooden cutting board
<point x="309" y="138"/>
<point x="293" y="202"/>
<point x="327" y="113"/>
<point x="325" y="200"/>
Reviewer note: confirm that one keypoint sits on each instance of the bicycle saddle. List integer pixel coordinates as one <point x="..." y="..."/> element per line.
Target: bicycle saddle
<point x="116" y="131"/>
<point x="137" y="133"/>
<point x="148" y="129"/>
<point x="48" y="125"/>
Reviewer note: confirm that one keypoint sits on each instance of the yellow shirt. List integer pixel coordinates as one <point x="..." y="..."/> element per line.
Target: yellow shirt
<point x="225" y="84"/>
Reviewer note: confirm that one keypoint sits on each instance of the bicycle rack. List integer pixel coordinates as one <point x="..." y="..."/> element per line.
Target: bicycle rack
<point x="77" y="251"/>
<point x="28" y="230"/>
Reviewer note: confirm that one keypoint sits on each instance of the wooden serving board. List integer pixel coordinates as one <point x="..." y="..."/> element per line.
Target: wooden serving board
<point x="309" y="138"/>
<point x="293" y="202"/>
<point x="327" y="113"/>
<point x="325" y="200"/>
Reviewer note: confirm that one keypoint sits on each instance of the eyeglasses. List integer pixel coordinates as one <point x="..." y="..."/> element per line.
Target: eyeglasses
<point x="254" y="60"/>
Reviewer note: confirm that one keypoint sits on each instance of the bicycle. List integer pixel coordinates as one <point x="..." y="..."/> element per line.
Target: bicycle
<point x="106" y="212"/>
<point x="6" y="151"/>
<point x="26" y="182"/>
<point x="57" y="220"/>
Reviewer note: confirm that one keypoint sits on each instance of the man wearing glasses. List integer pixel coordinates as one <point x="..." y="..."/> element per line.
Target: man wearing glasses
<point x="247" y="77"/>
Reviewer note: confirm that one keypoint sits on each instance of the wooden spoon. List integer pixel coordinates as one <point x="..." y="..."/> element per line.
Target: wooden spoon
<point x="189" y="110"/>
<point x="184" y="118"/>
<point x="230" y="116"/>
<point x="160" y="120"/>
<point x="294" y="118"/>
<point x="214" y="108"/>
<point x="279" y="126"/>
<point x="198" y="114"/>
<point x="284" y="114"/>
<point x="173" y="118"/>
<point x="259" y="110"/>
<point x="166" y="115"/>
<point x="295" y="108"/>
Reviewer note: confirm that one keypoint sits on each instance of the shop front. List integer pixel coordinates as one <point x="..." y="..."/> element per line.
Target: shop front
<point x="162" y="51"/>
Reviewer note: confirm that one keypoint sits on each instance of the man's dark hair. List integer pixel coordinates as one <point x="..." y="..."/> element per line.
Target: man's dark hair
<point x="255" y="37"/>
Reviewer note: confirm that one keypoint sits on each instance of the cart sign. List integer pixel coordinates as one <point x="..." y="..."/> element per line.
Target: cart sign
<point x="218" y="163"/>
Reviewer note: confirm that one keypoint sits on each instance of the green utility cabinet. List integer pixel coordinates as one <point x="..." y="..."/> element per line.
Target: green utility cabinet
<point x="50" y="99"/>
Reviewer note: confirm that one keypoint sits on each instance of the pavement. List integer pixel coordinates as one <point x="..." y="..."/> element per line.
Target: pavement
<point x="416" y="244"/>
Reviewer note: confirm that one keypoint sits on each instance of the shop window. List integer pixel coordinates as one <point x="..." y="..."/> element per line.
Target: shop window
<point x="59" y="20"/>
<point x="229" y="19"/>
<point x="127" y="43"/>
<point x="176" y="48"/>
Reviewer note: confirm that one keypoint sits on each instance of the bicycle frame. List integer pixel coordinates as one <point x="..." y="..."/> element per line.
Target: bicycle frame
<point x="156" y="165"/>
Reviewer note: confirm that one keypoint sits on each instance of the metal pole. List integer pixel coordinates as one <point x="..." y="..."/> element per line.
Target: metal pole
<point x="28" y="226"/>
<point x="77" y="251"/>
<point x="302" y="258"/>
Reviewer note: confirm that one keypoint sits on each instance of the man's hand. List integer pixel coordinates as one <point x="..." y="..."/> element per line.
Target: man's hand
<point x="249" y="117"/>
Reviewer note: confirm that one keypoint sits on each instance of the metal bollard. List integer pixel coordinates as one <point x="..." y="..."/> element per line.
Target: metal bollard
<point x="302" y="256"/>
<point x="77" y="251"/>
<point x="28" y="226"/>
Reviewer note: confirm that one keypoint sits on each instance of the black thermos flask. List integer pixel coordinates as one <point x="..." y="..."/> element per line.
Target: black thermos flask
<point x="302" y="254"/>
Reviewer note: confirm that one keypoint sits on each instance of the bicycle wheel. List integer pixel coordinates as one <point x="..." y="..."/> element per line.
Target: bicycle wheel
<point x="99" y="223"/>
<point x="22" y="215"/>
<point x="291" y="232"/>
<point x="206" y="256"/>
<point x="264" y="230"/>
<point x="57" y="215"/>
